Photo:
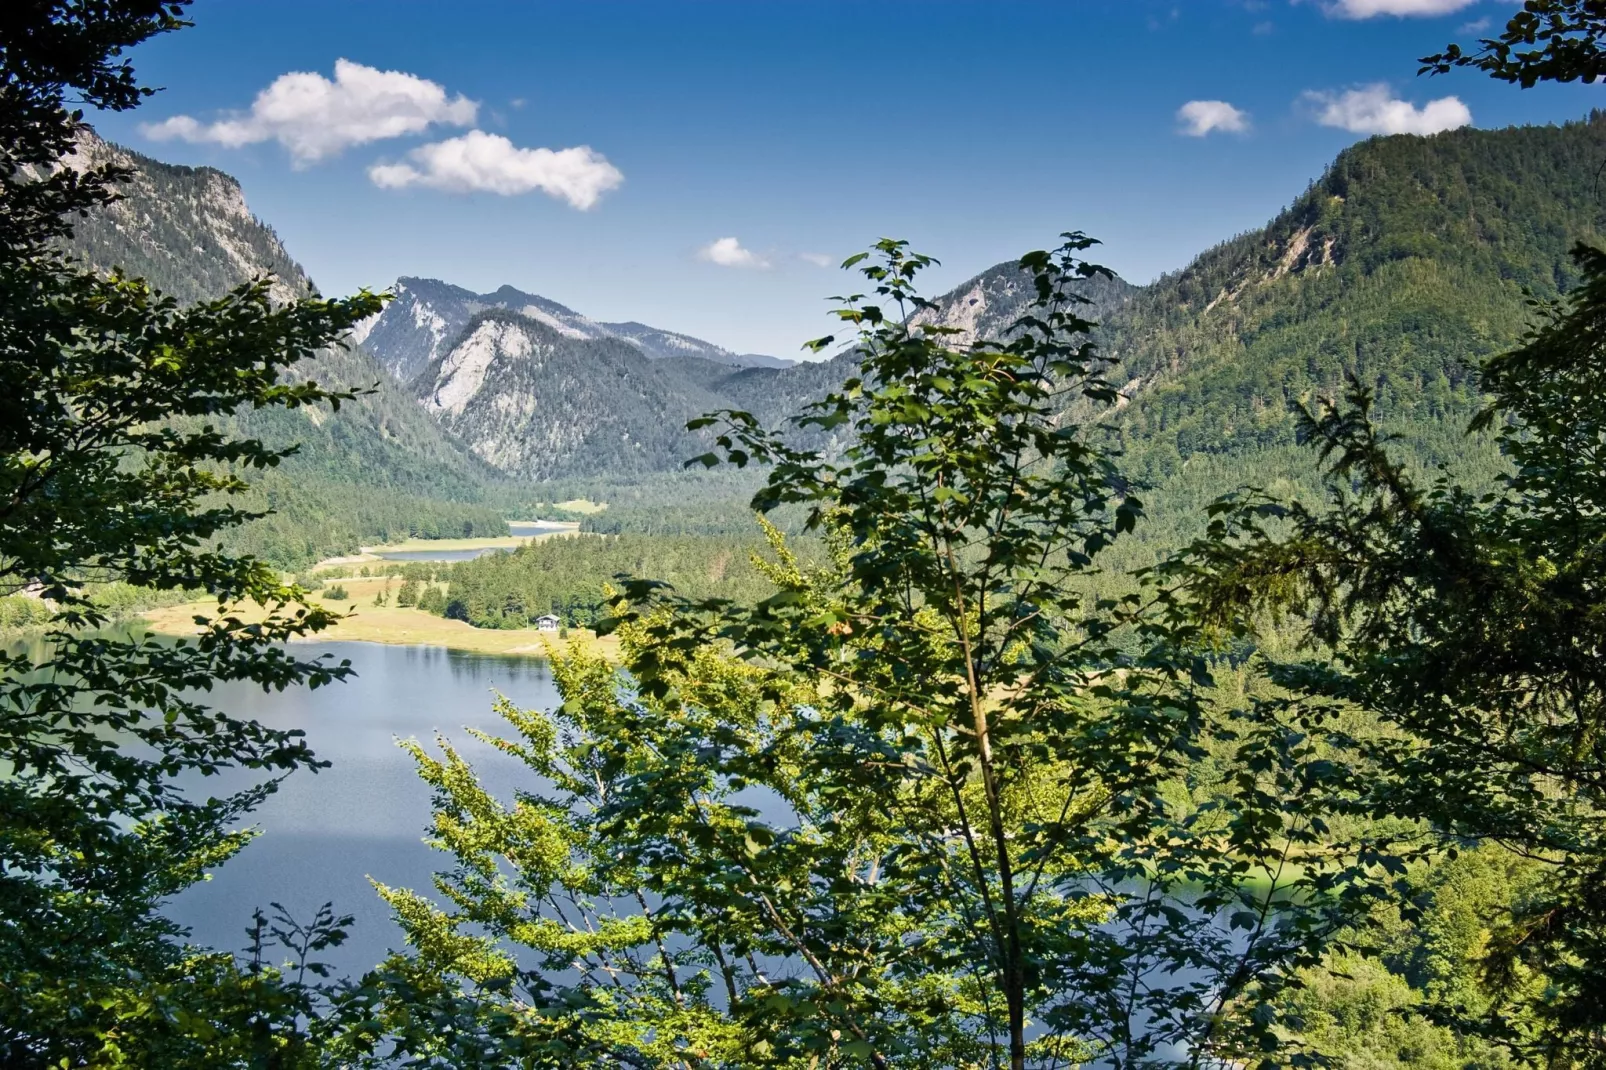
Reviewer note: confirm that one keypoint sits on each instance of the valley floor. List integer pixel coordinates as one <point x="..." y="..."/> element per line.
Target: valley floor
<point x="403" y="626"/>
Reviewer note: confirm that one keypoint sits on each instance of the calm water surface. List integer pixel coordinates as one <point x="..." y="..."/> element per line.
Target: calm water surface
<point x="441" y="555"/>
<point x="325" y="834"/>
<point x="521" y="528"/>
<point x="525" y="528"/>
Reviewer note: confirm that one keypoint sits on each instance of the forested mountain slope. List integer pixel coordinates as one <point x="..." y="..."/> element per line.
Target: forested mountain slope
<point x="1409" y="260"/>
<point x="377" y="467"/>
<point x="992" y="302"/>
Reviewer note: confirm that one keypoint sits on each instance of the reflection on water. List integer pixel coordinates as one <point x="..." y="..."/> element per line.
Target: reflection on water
<point x="518" y="528"/>
<point x="325" y="834"/>
<point x="523" y="528"/>
<point x="440" y="555"/>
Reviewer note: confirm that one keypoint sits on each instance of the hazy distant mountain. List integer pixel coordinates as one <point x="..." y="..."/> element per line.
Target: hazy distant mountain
<point x="760" y="360"/>
<point x="541" y="392"/>
<point x="428" y="315"/>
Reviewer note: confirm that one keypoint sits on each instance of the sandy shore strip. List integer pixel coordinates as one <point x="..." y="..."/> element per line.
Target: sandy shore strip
<point x="368" y="623"/>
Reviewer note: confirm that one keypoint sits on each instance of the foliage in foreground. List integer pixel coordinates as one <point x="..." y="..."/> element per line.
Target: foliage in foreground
<point x="1473" y="626"/>
<point x="926" y="805"/>
<point x="1544" y="41"/>
<point x="112" y="472"/>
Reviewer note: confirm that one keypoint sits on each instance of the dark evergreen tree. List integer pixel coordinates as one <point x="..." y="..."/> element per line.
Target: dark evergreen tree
<point x="112" y="467"/>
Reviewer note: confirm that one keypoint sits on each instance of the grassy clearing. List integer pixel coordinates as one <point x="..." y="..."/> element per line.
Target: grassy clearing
<point x="368" y="623"/>
<point x="583" y="506"/>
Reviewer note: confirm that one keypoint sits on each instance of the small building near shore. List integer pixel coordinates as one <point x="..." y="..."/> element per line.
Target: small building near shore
<point x="547" y="623"/>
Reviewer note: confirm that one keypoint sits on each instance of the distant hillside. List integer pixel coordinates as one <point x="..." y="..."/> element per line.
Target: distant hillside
<point x="541" y="397"/>
<point x="428" y="315"/>
<point x="989" y="304"/>
<point x="1410" y="259"/>
<point x="377" y="467"/>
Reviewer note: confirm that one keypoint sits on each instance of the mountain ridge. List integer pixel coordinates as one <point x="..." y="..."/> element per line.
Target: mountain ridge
<point x="516" y="389"/>
<point x="534" y="400"/>
<point x="428" y="315"/>
<point x="1406" y="261"/>
<point x="376" y="467"/>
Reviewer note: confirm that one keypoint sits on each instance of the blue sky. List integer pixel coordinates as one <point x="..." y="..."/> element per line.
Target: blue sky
<point x="733" y="145"/>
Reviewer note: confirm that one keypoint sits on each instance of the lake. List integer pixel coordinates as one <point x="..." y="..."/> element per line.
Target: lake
<point x="520" y="528"/>
<point x="525" y="528"/>
<point x="442" y="555"/>
<point x="325" y="833"/>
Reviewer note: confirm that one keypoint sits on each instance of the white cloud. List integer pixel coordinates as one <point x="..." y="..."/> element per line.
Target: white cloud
<point x="728" y="252"/>
<point x="478" y="162"/>
<point x="1200" y="117"/>
<point x="314" y="117"/>
<point x="1476" y="25"/>
<point x="1373" y="109"/>
<point x="1365" y="9"/>
<point x="817" y="259"/>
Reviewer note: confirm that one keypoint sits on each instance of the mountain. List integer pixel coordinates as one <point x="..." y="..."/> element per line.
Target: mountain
<point x="1409" y="260"/>
<point x="377" y="467"/>
<point x="1406" y="262"/>
<point x="989" y="304"/>
<point x="535" y="400"/>
<point x="544" y="397"/>
<point x="761" y="360"/>
<point x="428" y="315"/>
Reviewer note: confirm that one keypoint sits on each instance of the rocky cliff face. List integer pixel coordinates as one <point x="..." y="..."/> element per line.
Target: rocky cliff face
<point x="540" y="392"/>
<point x="185" y="229"/>
<point x="537" y="402"/>
<point x="989" y="304"/>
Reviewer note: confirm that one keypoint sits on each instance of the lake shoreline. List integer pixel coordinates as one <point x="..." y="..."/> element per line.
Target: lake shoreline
<point x="398" y="626"/>
<point x="369" y="555"/>
<point x="370" y="614"/>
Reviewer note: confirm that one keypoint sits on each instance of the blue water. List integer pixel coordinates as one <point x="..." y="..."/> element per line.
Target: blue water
<point x="325" y="834"/>
<point x="519" y="528"/>
<point x="535" y="527"/>
<point x="440" y="555"/>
